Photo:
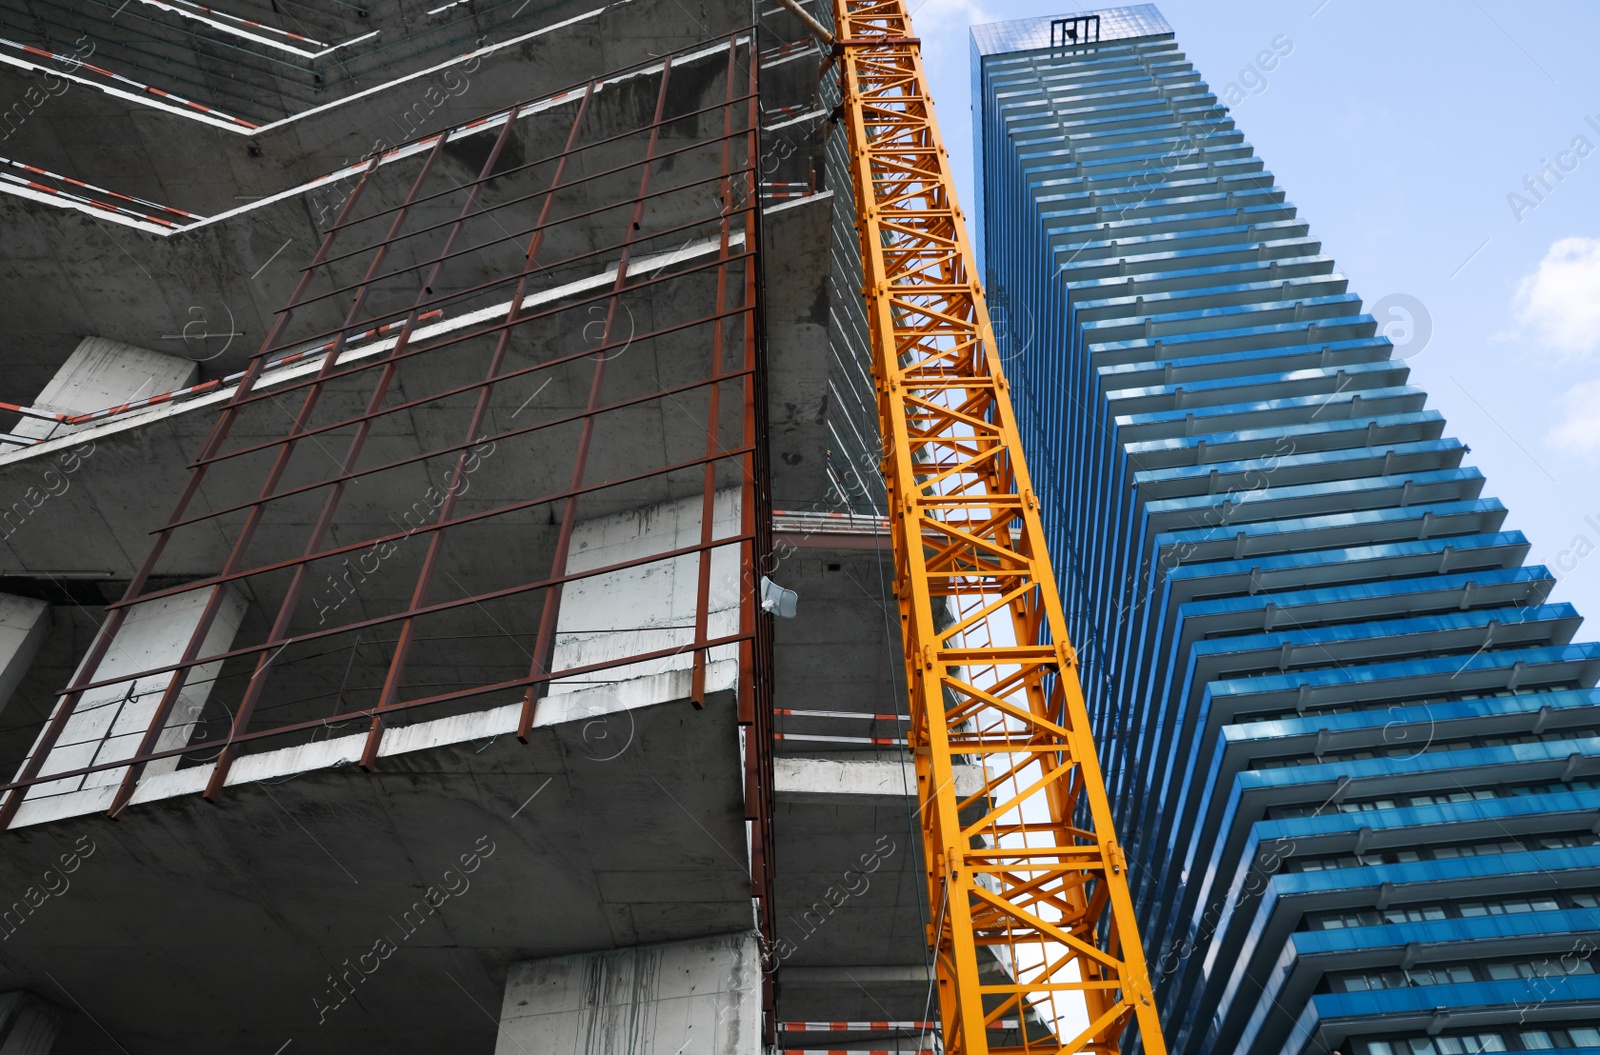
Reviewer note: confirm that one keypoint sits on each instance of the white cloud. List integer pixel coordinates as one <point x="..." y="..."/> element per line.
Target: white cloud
<point x="1580" y="432"/>
<point x="1561" y="300"/>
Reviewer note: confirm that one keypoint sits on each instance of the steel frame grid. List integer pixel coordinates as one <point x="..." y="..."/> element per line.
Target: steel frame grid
<point x="1027" y="866"/>
<point x="733" y="318"/>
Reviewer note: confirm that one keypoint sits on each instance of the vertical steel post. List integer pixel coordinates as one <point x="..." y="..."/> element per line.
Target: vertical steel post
<point x="697" y="681"/>
<point x="544" y="643"/>
<point x="419" y="596"/>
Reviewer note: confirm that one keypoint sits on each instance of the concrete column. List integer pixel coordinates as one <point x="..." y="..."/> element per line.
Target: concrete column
<point x="652" y="606"/>
<point x="28" y="1025"/>
<point x="701" y="996"/>
<point x="109" y="722"/>
<point x="23" y="623"/>
<point x="103" y="373"/>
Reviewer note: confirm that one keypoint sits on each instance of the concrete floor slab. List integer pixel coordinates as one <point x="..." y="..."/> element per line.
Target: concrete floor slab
<point x="191" y="927"/>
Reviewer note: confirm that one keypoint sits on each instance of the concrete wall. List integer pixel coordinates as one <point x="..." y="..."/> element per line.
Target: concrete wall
<point x="652" y="606"/>
<point x="103" y="373"/>
<point x="23" y="622"/>
<point x="109" y="722"/>
<point x="701" y="996"/>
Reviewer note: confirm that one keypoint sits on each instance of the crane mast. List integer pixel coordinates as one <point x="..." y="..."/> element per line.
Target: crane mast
<point x="1027" y="886"/>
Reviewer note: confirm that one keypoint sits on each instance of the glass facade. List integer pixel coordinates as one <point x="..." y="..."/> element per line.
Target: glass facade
<point x="1353" y="749"/>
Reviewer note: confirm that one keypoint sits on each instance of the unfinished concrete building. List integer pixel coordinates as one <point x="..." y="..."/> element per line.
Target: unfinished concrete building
<point x="418" y="427"/>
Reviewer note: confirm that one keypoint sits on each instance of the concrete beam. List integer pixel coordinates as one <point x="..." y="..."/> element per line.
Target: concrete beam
<point x="109" y="722"/>
<point x="702" y="996"/>
<point x="831" y="977"/>
<point x="651" y="606"/>
<point x="819" y="780"/>
<point x="23" y="623"/>
<point x="104" y="373"/>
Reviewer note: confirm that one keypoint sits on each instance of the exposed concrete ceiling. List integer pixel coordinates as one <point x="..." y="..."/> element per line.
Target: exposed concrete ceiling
<point x="193" y="927"/>
<point x="69" y="273"/>
<point x="256" y="63"/>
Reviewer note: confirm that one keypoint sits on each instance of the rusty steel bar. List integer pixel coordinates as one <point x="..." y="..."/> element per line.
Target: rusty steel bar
<point x="286" y="609"/>
<point x="471" y="335"/>
<point x="246" y="536"/>
<point x="544" y="643"/>
<point x="218" y="435"/>
<point x="402" y="705"/>
<point x="697" y="679"/>
<point x="509" y="375"/>
<point x="698" y="144"/>
<point x="719" y="246"/>
<point x="402" y="647"/>
<point x="443" y="606"/>
<point x="755" y="549"/>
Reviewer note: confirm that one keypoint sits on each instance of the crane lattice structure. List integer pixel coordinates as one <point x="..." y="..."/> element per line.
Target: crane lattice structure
<point x="1027" y="866"/>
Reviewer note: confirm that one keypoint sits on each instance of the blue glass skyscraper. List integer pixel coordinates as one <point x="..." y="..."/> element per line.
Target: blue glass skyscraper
<point x="1352" y="748"/>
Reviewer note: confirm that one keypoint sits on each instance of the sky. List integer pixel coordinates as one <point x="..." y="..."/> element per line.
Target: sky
<point x="1412" y="138"/>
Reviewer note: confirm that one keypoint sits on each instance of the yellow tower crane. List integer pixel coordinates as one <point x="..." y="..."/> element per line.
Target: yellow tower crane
<point x="1027" y="886"/>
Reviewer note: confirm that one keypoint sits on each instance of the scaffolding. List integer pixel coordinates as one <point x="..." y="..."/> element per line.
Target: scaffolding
<point x="470" y="370"/>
